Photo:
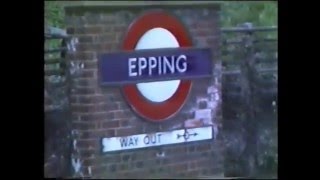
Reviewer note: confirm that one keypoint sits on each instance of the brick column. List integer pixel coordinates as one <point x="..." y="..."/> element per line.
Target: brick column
<point x="103" y="112"/>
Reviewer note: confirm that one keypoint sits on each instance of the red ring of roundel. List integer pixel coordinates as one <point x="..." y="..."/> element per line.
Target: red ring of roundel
<point x="156" y="112"/>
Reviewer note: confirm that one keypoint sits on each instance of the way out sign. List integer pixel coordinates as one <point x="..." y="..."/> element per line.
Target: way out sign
<point x="156" y="139"/>
<point x="156" y="66"/>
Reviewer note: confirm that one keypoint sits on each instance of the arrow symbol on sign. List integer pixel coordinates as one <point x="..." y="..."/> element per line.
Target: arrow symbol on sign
<point x="186" y="135"/>
<point x="194" y="134"/>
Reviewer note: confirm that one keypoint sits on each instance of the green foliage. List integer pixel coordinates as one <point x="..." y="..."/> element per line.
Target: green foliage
<point x="259" y="13"/>
<point x="263" y="13"/>
<point x="53" y="14"/>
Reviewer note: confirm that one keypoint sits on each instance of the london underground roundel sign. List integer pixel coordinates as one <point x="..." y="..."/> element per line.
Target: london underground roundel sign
<point x="156" y="66"/>
<point x="157" y="101"/>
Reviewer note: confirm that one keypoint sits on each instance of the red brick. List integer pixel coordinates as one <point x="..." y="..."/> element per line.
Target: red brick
<point x="98" y="133"/>
<point x="110" y="115"/>
<point x="86" y="39"/>
<point x="124" y="175"/>
<point x="123" y="166"/>
<point x="123" y="105"/>
<point x="191" y="149"/>
<point x="119" y="37"/>
<point x="176" y="158"/>
<point x="111" y="124"/>
<point x="94" y="117"/>
<point x="97" y="47"/>
<point x="85" y="99"/>
<point x="97" y="109"/>
<point x="203" y="32"/>
<point x="114" y="158"/>
<point x="182" y="174"/>
<point x="109" y="21"/>
<point x="112" y="168"/>
<point x="89" y="161"/>
<point x="85" y="90"/>
<point x="89" y="73"/>
<point x="205" y="171"/>
<point x="105" y="133"/>
<point x="90" y="99"/>
<point x="87" y="143"/>
<point x="126" y="157"/>
<point x="120" y="114"/>
<point x="107" y="38"/>
<point x="82" y="47"/>
<point x="204" y="163"/>
<point x="204" y="24"/>
<point x="124" y="123"/>
<point x="139" y="164"/>
<point x="102" y="107"/>
<point x="136" y="174"/>
<point x="192" y="173"/>
<point x="110" y="106"/>
<point x="179" y="150"/>
<point x="94" y="134"/>
<point x="119" y="28"/>
<point x="99" y="169"/>
<point x="204" y="147"/>
<point x="125" y="131"/>
<point x="107" y="46"/>
<point x="81" y="107"/>
<point x="142" y="154"/>
<point x="108" y="29"/>
<point x="110" y="133"/>
<point x="192" y="165"/>
<point x="86" y="134"/>
<point x="180" y="167"/>
<point x="75" y="117"/>
<point x="86" y="153"/>
<point x="107" y="107"/>
<point x="84" y="55"/>
<point x="87" y="82"/>
<point x="114" y="95"/>
<point x="89" y="30"/>
<point x="84" y="125"/>
<point x="88" y="46"/>
<point x="212" y="41"/>
<point x="84" y="171"/>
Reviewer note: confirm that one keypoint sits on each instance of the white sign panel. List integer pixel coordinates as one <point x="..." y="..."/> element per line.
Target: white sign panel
<point x="156" y="139"/>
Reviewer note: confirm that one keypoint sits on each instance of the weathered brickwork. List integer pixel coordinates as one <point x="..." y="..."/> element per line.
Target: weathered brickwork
<point x="103" y="112"/>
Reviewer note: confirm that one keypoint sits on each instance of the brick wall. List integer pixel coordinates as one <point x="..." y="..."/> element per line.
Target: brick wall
<point x="103" y="112"/>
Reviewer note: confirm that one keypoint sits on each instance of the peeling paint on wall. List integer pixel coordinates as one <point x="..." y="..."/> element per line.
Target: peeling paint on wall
<point x="71" y="45"/>
<point x="204" y="112"/>
<point x="75" y="156"/>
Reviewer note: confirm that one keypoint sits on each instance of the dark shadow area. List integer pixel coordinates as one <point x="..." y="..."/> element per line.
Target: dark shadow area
<point x="249" y="89"/>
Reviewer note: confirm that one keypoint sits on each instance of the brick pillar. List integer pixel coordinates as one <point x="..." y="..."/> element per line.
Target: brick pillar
<point x="103" y="112"/>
